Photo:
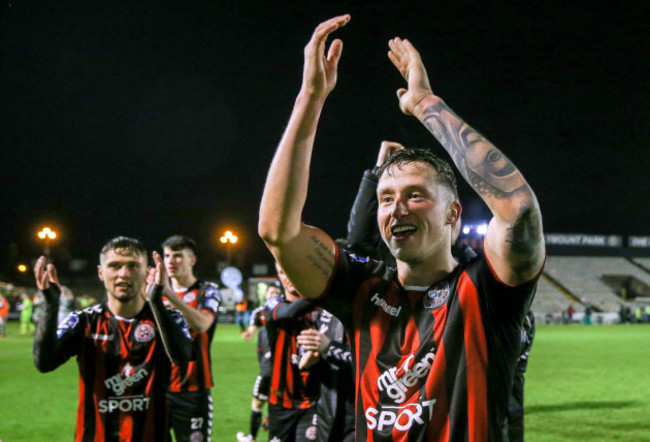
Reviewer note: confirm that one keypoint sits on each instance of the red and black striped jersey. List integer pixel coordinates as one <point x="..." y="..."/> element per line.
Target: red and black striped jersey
<point x="203" y="296"/>
<point x="290" y="387"/>
<point x="124" y="373"/>
<point x="431" y="363"/>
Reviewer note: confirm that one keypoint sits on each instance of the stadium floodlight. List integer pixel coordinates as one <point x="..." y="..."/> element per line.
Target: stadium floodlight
<point x="228" y="238"/>
<point x="466" y="230"/>
<point x="482" y="229"/>
<point x="47" y="235"/>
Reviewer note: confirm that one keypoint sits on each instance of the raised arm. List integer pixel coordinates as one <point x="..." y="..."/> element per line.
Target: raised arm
<point x="47" y="354"/>
<point x="307" y="254"/>
<point x="514" y="243"/>
<point x="173" y="329"/>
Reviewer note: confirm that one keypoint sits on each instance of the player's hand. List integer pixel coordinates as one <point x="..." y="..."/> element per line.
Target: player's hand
<point x="314" y="340"/>
<point x="157" y="279"/>
<point x="408" y="62"/>
<point x="46" y="276"/>
<point x="386" y="149"/>
<point x="319" y="72"/>
<point x="308" y="359"/>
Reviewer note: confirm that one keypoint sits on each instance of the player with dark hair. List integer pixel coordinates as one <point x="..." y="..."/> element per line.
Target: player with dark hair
<point x="189" y="399"/>
<point x="434" y="341"/>
<point x="124" y="347"/>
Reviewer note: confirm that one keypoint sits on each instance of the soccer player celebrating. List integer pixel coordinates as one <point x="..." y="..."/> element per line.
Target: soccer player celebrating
<point x="123" y="346"/>
<point x="434" y="342"/>
<point x="190" y="401"/>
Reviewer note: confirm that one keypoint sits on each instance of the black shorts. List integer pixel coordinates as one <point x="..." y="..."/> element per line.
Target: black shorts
<point x="292" y="424"/>
<point x="262" y="387"/>
<point x="191" y="415"/>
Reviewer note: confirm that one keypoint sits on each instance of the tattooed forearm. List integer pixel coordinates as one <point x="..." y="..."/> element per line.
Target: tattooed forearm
<point x="484" y="166"/>
<point x="321" y="258"/>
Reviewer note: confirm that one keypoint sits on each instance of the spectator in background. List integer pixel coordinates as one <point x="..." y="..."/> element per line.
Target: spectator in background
<point x="570" y="311"/>
<point x="242" y="315"/>
<point x="26" y="308"/>
<point x="4" y="314"/>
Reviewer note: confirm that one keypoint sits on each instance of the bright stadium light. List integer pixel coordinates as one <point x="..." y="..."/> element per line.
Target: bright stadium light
<point x="482" y="229"/>
<point x="466" y="230"/>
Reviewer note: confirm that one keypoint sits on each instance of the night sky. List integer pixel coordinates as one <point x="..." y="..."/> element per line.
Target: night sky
<point x="156" y="118"/>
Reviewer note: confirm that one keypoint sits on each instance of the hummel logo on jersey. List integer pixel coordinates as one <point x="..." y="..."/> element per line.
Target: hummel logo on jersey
<point x="119" y="384"/>
<point x="380" y="302"/>
<point x="397" y="380"/>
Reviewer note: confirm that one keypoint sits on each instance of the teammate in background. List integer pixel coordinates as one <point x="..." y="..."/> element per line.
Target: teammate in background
<point x="293" y="393"/>
<point x="434" y="342"/>
<point x="513" y="429"/>
<point x="4" y="314"/>
<point x="26" y="308"/>
<point x="263" y="381"/>
<point x="123" y="346"/>
<point x="335" y="408"/>
<point x="189" y="400"/>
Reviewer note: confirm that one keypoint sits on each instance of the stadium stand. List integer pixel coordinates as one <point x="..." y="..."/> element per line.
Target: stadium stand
<point x="583" y="277"/>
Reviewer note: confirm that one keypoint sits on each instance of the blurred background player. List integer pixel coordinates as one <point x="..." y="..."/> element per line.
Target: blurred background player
<point x="513" y="428"/>
<point x="263" y="380"/>
<point x="293" y="393"/>
<point x="26" y="309"/>
<point x="124" y="346"/>
<point x="327" y="342"/>
<point x="190" y="400"/>
<point x="4" y="314"/>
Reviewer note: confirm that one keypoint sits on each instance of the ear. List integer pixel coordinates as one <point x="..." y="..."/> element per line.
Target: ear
<point x="193" y="260"/>
<point x="100" y="273"/>
<point x="453" y="212"/>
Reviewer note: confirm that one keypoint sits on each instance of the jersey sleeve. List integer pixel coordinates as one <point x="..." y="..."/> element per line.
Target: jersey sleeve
<point x="211" y="299"/>
<point x="350" y="272"/>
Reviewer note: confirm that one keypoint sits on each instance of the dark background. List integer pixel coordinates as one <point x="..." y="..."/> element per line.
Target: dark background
<point x="149" y="119"/>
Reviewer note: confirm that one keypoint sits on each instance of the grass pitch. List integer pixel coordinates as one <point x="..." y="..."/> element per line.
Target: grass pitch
<point x="583" y="383"/>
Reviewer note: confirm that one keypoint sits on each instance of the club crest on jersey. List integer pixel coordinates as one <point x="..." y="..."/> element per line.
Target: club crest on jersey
<point x="144" y="333"/>
<point x="437" y="296"/>
<point x="189" y="297"/>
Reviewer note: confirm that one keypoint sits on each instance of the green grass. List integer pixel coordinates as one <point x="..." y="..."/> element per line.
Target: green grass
<point x="583" y="383"/>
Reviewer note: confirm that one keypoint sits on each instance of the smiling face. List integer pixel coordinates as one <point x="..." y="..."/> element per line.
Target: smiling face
<point x="123" y="273"/>
<point x="416" y="212"/>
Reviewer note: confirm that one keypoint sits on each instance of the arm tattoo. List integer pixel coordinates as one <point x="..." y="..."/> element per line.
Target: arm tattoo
<point x="321" y="258"/>
<point x="484" y="167"/>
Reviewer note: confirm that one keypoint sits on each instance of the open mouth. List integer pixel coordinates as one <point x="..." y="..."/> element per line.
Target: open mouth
<point x="402" y="231"/>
